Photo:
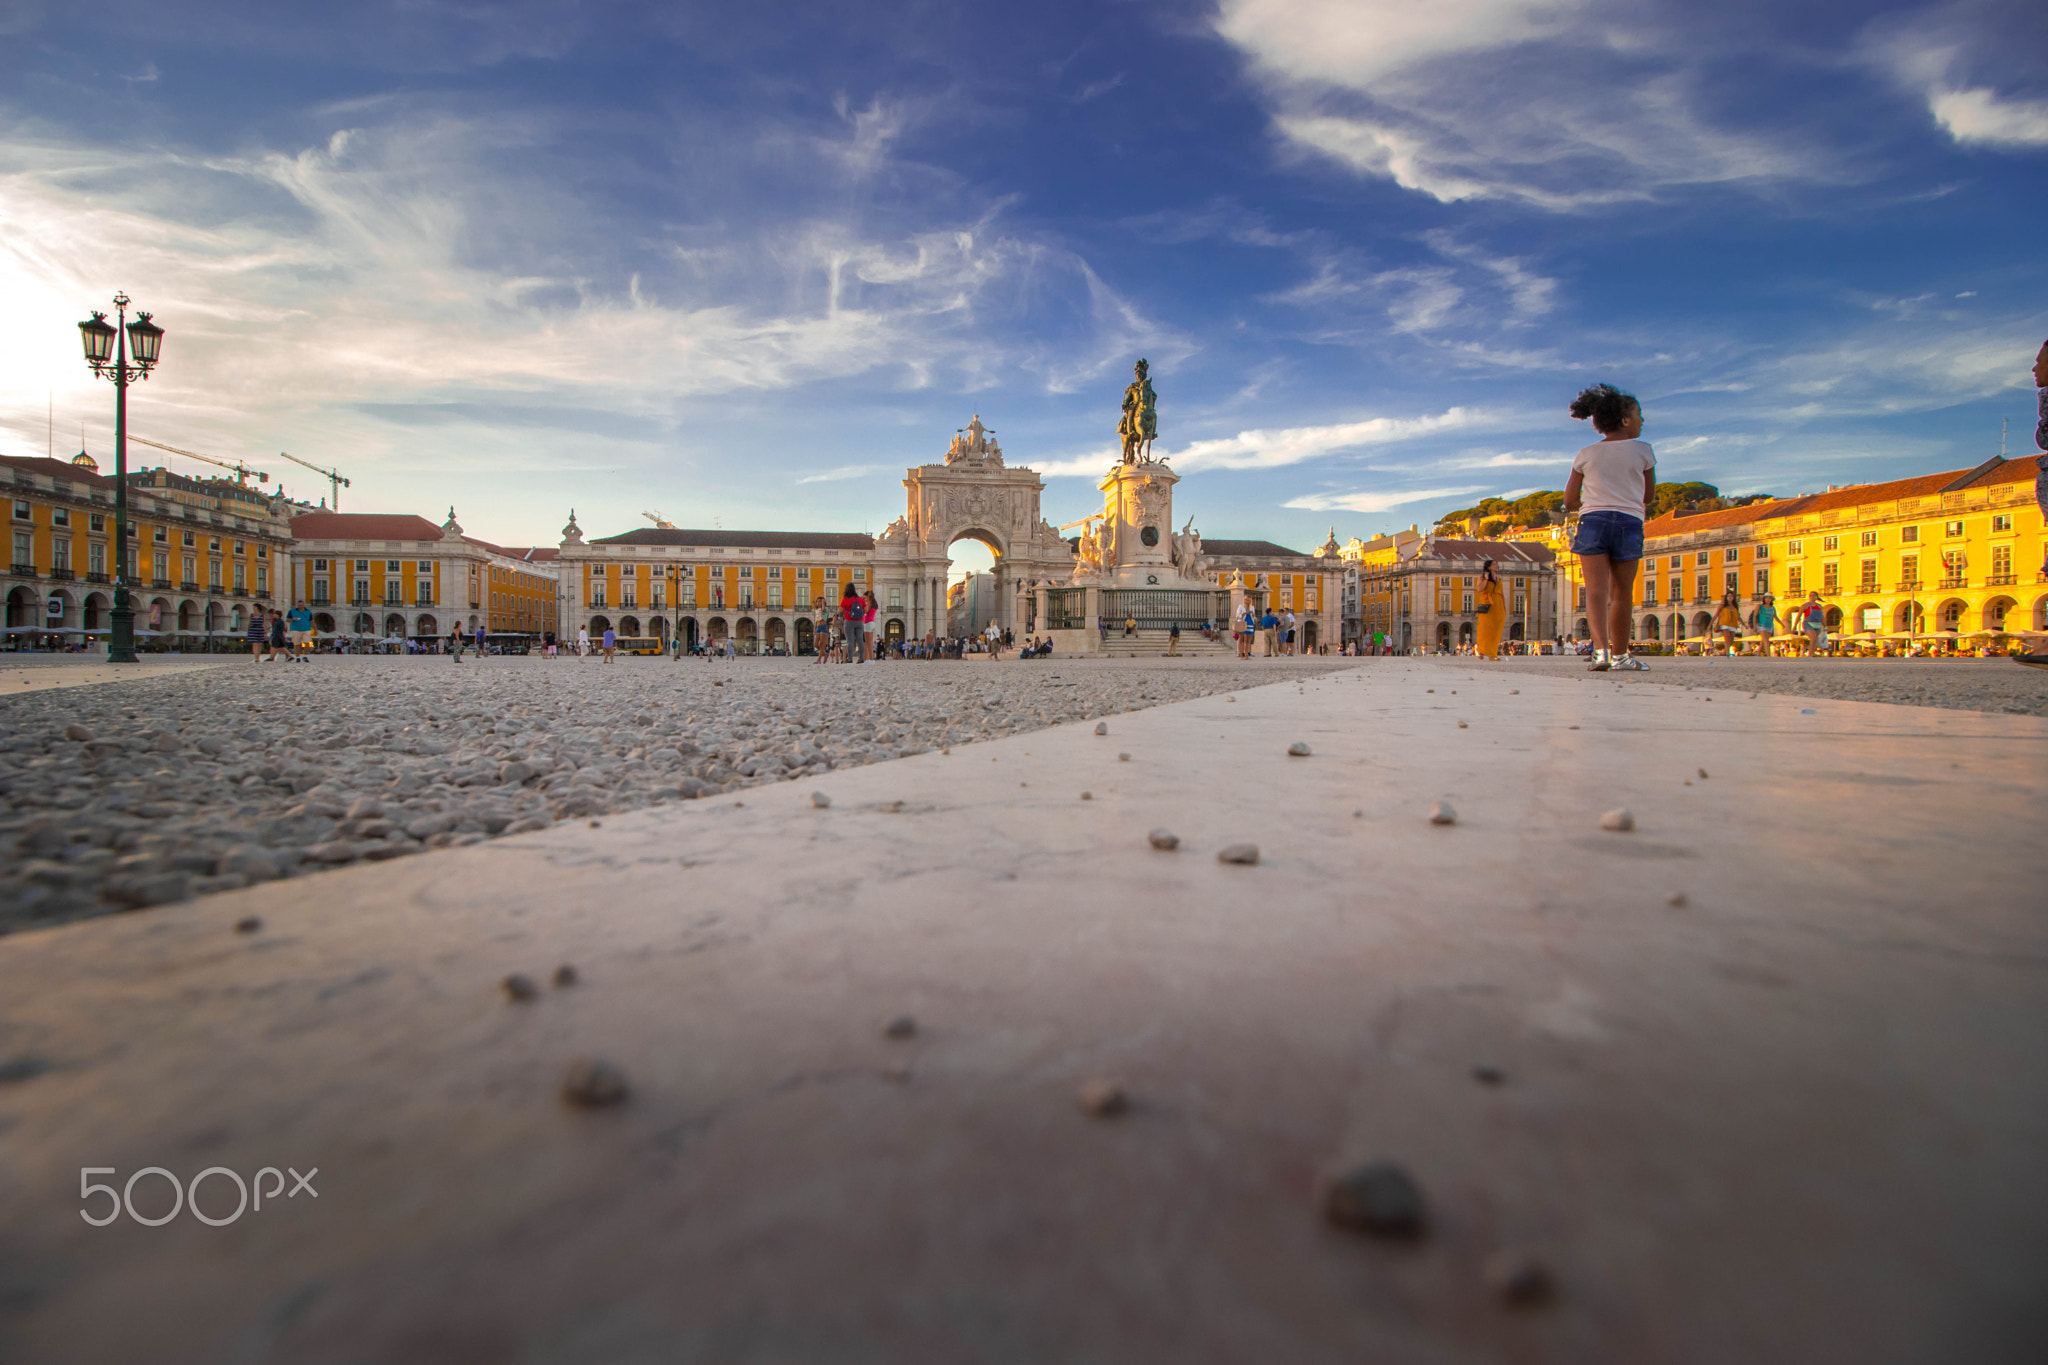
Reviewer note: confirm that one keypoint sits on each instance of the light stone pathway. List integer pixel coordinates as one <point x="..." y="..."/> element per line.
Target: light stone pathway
<point x="145" y="792"/>
<point x="1959" y="684"/>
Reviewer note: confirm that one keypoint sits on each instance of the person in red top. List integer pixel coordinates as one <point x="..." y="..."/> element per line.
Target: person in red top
<point x="854" y="613"/>
<point x="868" y="619"/>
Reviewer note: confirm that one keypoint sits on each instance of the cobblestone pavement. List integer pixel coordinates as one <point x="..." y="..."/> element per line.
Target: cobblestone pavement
<point x="143" y="792"/>
<point x="1960" y="684"/>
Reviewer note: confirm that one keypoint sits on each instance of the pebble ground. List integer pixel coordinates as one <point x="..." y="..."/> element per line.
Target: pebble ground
<point x="123" y="795"/>
<point x="1959" y="684"/>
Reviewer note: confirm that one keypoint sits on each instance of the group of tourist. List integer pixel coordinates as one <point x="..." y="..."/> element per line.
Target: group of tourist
<point x="1275" y="631"/>
<point x="276" y="635"/>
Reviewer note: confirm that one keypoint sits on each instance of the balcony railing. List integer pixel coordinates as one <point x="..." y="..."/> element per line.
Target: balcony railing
<point x="2001" y="580"/>
<point x="64" y="574"/>
<point x="1867" y="585"/>
<point x="22" y="570"/>
<point x="241" y="592"/>
<point x="1908" y="585"/>
<point x="1957" y="581"/>
<point x="97" y="578"/>
<point x="188" y="586"/>
<point x="159" y="582"/>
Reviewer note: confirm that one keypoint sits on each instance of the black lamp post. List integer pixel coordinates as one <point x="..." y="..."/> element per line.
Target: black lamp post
<point x="107" y="350"/>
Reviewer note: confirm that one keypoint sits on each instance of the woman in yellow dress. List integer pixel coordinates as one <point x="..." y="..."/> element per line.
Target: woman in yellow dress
<point x="1491" y="601"/>
<point x="1728" y="623"/>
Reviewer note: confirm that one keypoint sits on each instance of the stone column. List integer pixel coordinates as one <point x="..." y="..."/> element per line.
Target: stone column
<point x="1042" y="616"/>
<point x="1091" y="611"/>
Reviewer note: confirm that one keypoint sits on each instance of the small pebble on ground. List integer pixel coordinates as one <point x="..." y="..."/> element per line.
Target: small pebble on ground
<point x="1104" y="1097"/>
<point x="1244" y="854"/>
<point x="1378" y="1197"/>
<point x="593" y="1083"/>
<point x="1164" y="839"/>
<point x="1442" y="814"/>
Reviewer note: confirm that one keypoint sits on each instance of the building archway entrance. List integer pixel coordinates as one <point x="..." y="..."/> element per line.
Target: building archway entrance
<point x="972" y="496"/>
<point x="778" y="637"/>
<point x="804" y="637"/>
<point x="686" y="628"/>
<point x="1443" y="635"/>
<point x="748" y="636"/>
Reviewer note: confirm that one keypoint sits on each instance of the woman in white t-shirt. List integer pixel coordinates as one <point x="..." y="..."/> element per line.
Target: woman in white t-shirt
<point x="1611" y="486"/>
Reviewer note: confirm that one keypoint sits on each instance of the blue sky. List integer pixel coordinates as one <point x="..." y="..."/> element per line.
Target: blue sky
<point x="747" y="262"/>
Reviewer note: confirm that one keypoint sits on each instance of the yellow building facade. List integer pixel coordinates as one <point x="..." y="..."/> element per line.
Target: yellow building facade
<point x="202" y="553"/>
<point x="398" y="577"/>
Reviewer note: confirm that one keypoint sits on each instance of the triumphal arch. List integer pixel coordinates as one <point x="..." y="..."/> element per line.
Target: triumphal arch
<point x="973" y="495"/>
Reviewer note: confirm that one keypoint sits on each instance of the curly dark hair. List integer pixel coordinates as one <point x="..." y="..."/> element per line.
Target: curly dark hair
<point x="1608" y="406"/>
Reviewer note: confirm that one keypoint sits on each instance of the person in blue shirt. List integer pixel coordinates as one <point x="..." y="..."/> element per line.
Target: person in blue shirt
<point x="1269" y="625"/>
<point x="299" y="621"/>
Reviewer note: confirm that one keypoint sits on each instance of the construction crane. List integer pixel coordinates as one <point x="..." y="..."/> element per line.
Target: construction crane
<point x="241" y="471"/>
<point x="333" y="476"/>
<point x="655" y="517"/>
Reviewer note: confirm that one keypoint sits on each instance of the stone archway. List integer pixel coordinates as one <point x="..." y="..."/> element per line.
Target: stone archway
<point x="804" y="636"/>
<point x="972" y="495"/>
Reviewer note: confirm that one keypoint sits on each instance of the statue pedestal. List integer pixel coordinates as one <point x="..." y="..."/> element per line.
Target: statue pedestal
<point x="1137" y="526"/>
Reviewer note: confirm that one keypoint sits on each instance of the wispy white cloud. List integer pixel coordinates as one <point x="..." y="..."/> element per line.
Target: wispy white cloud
<point x="1276" y="447"/>
<point x="1555" y="103"/>
<point x="1366" y="502"/>
<point x="362" y="274"/>
<point x="1927" y="54"/>
<point x="845" y="471"/>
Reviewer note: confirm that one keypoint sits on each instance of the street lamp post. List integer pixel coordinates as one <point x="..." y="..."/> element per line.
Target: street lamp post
<point x="107" y="348"/>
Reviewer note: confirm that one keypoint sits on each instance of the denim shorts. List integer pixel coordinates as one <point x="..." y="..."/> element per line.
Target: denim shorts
<point x="1617" y="535"/>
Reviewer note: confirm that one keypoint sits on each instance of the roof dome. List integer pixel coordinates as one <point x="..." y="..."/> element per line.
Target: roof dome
<point x="86" y="462"/>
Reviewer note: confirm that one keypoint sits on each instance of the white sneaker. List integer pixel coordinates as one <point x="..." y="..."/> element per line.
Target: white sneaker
<point x="1630" y="663"/>
<point x="1601" y="662"/>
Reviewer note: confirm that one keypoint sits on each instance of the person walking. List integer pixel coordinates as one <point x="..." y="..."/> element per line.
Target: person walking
<point x="258" y="636"/>
<point x="1765" y="619"/>
<point x="583" y="642"/>
<point x="611" y="643"/>
<point x="870" y="632"/>
<point x="1490" y="602"/>
<point x="1173" y="639"/>
<point x="481" y="649"/>
<point x="1728" y="622"/>
<point x="1813" y="621"/>
<point x="853" y="617"/>
<point x="455" y="643"/>
<point x="279" y="648"/>
<point x="299" y="621"/>
<point x="1611" y="485"/>
<point x="1269" y="633"/>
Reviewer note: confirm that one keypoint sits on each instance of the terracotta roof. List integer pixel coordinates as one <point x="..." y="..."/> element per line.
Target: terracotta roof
<point x="747" y="540"/>
<point x="1671" y="524"/>
<point x="1995" y="471"/>
<point x="532" y="554"/>
<point x="1249" y="549"/>
<point x="363" y="526"/>
<point x="57" y="469"/>
<point x="1496" y="550"/>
